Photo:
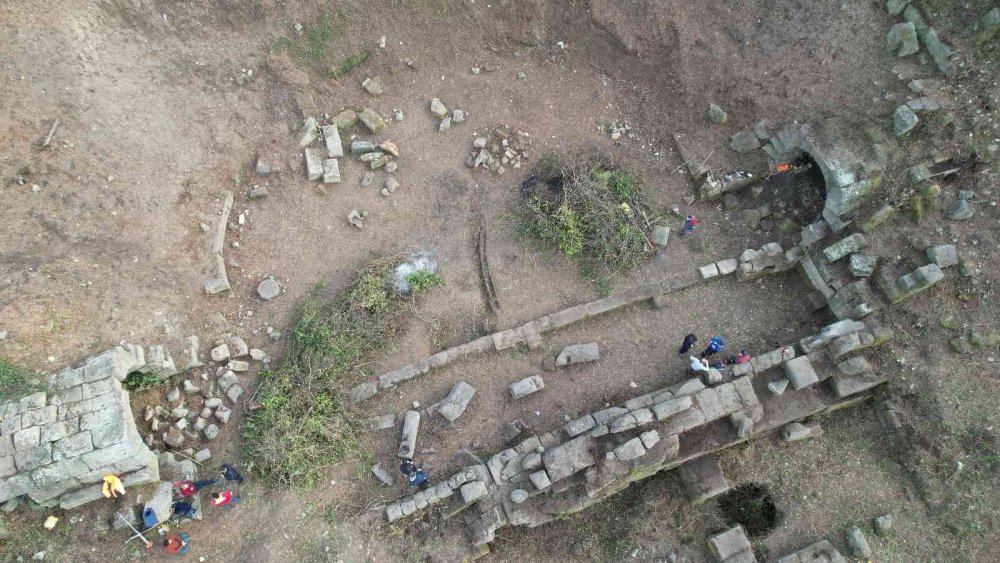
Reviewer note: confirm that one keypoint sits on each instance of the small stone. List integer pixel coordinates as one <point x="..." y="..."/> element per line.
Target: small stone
<point x="744" y="142"/>
<point x="445" y="125"/>
<point x="904" y="120"/>
<point x="234" y="393"/>
<point x="203" y="455"/>
<point x="391" y="166"/>
<point x="354" y="218"/>
<point x="862" y="265"/>
<point x="181" y="424"/>
<point x="309" y="132"/>
<point x="267" y="290"/>
<point x="480" y="142"/>
<point x="389" y="147"/>
<point x="362" y="147"/>
<point x="262" y="168"/>
<point x="438" y="109"/>
<point x="173" y="437"/>
<point x="256" y="193"/>
<point x="883" y="525"/>
<point x="374" y="86"/>
<point x="961" y="210"/>
<point x="331" y="171"/>
<point x="777" y="386"/>
<point x="174" y="394"/>
<point x="190" y="387"/>
<point x="521" y="75"/>
<point x="391" y="184"/>
<point x="211" y="432"/>
<point x="457" y="116"/>
<point x="345" y="119"/>
<point x="367" y="179"/>
<point x="716" y="114"/>
<point x="372" y="120"/>
<point x="517" y="496"/>
<point x="858" y="543"/>
<point x="397" y="114"/>
<point x="223" y="413"/>
<point x="257" y="354"/>
<point x="902" y="39"/>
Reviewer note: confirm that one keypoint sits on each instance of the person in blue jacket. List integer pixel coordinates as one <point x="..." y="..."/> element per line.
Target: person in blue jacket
<point x="716" y="344"/>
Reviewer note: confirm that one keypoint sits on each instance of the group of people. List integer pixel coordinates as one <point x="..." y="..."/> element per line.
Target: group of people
<point x="178" y="544"/>
<point x="415" y="476"/>
<point x="716" y="344"/>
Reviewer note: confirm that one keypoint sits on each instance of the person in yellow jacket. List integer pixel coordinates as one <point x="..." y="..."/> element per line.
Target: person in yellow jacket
<point x="112" y="486"/>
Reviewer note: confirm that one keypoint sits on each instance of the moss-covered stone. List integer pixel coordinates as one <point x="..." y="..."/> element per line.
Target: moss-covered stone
<point x="916" y="208"/>
<point x="948" y="320"/>
<point x="876" y="219"/>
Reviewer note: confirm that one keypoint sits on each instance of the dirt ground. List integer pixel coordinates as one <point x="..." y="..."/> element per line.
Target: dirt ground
<point x="159" y="115"/>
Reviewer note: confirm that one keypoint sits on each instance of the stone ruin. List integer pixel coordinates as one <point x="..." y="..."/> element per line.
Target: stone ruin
<point x="57" y="445"/>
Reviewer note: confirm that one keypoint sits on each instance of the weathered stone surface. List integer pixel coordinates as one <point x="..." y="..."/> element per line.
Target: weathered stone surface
<point x="939" y="52"/>
<point x="883" y="525"/>
<point x="362" y="391"/>
<point x="211" y="432"/>
<point x="796" y="431"/>
<point x="904" y="120"/>
<point x="374" y="86"/>
<point x="945" y="255"/>
<point x="818" y="552"/>
<point x="471" y="492"/>
<point x="716" y="114"/>
<point x="331" y="138"/>
<point x="800" y="372"/>
<point x="383" y="475"/>
<point x="727" y="266"/>
<point x="902" y="39"/>
<point x="729" y="543"/>
<point x="438" y="109"/>
<point x="703" y="479"/>
<point x="862" y="265"/>
<point x="961" y="210"/>
<point x="457" y="401"/>
<point x="372" y="120"/>
<point x="161" y="502"/>
<point x="708" y="271"/>
<point x="895" y="7"/>
<point x="649" y="438"/>
<point x="314" y="163"/>
<point x="331" y="171"/>
<point x="746" y="141"/>
<point x="566" y="459"/>
<point x="408" y="442"/>
<point x="858" y="543"/>
<point x="778" y="386"/>
<point x="580" y="425"/>
<point x="630" y="450"/>
<point x="517" y="496"/>
<point x="660" y="235"/>
<point x="845" y="246"/>
<point x="578" y="354"/>
<point x="526" y="386"/>
<point x="309" y="132"/>
<point x="345" y="119"/>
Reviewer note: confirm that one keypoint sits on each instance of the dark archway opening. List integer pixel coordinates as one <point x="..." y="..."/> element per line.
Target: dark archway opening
<point x="799" y="194"/>
<point x="751" y="506"/>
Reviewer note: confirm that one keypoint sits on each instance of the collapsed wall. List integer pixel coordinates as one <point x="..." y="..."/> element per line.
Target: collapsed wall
<point x="57" y="445"/>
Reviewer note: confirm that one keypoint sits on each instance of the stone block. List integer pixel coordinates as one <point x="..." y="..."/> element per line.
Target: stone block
<point x="161" y="502"/>
<point x="540" y="479"/>
<point x="331" y="138"/>
<point x="944" y="255"/>
<point x="845" y="246"/>
<point x="457" y="401"/>
<point x="729" y="543"/>
<point x="858" y="543"/>
<point x="362" y="391"/>
<point x="622" y="423"/>
<point x="902" y="39"/>
<point x="26" y="438"/>
<point x="703" y="479"/>
<point x="606" y="415"/>
<point x="712" y="377"/>
<point x="630" y="450"/>
<point x="578" y="354"/>
<point x="33" y="457"/>
<point x="708" y="271"/>
<point x="649" y="438"/>
<point x="796" y="431"/>
<point x="314" y="165"/>
<point x="580" y="425"/>
<point x="727" y="266"/>
<point x="687" y="387"/>
<point x="117" y="363"/>
<point x="234" y="392"/>
<point x="668" y="408"/>
<point x="372" y="120"/>
<point x="566" y="459"/>
<point x="778" y="386"/>
<point x="707" y="401"/>
<point x="526" y="386"/>
<point x="408" y="442"/>
<point x="800" y="372"/>
<point x="73" y="446"/>
<point x="471" y="492"/>
<point x="66" y="379"/>
<point x="382" y="475"/>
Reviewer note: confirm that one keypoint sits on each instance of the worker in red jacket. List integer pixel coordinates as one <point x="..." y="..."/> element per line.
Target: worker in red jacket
<point x="225" y="498"/>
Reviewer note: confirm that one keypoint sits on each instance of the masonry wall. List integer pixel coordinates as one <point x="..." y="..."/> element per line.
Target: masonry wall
<point x="57" y="445"/>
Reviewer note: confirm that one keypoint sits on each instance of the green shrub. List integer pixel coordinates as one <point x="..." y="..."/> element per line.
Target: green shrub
<point x="301" y="422"/>
<point x="422" y="280"/>
<point x="140" y="381"/>
<point x="590" y="211"/>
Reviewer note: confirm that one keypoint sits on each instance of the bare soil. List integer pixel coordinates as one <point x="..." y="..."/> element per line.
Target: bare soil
<point x="159" y="115"/>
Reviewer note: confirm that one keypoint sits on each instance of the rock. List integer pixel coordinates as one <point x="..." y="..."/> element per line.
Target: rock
<point x="179" y="412"/>
<point x="457" y="116"/>
<point x="800" y="372"/>
<point x="961" y="210"/>
<point x="883" y="525"/>
<point x="257" y="354"/>
<point x="267" y="290"/>
<point x="457" y="401"/>
<point x="203" y="455"/>
<point x="480" y="142"/>
<point x="391" y="184"/>
<point x="331" y="138"/>
<point x="354" y="218"/>
<point x="526" y="386"/>
<point x="578" y="354"/>
<point x="966" y="194"/>
<point x="220" y="353"/>
<point x="744" y="142"/>
<point x="200" y="423"/>
<point x="944" y="255"/>
<point x="845" y="246"/>
<point x="181" y="424"/>
<point x="362" y="147"/>
<point x="729" y="545"/>
<point x="369" y="157"/>
<point x="712" y="377"/>
<point x="345" y="119"/>
<point x="521" y="75"/>
<point x="708" y="271"/>
<point x="174" y="394"/>
<point x="716" y="114"/>
<point x="629" y="450"/>
<point x="367" y="179"/>
<point x="223" y="413"/>
<point x="397" y="114"/>
<point x="796" y="431"/>
<point x="876" y="219"/>
<point x="262" y="168"/>
<point x="213" y="402"/>
<point x="517" y="496"/>
<point x="895" y="7"/>
<point x="372" y="120"/>
<point x="331" y="171"/>
<point x="862" y="265"/>
<point x="777" y="386"/>
<point x="660" y="235"/>
<point x="438" y="109"/>
<point x="858" y="543"/>
<point x="38" y="556"/>
<point x="471" y="492"/>
<point x="903" y="120"/>
<point x="309" y="132"/>
<point x="902" y="39"/>
<point x="389" y="147"/>
<point x="383" y="475"/>
<point x="234" y="393"/>
<point x="211" y="432"/>
<point x="374" y="86"/>
<point x="939" y="52"/>
<point x="314" y="164"/>
<point x="173" y="437"/>
<point x="190" y="387"/>
<point x="408" y="441"/>
<point x="444" y="125"/>
<point x="391" y="166"/>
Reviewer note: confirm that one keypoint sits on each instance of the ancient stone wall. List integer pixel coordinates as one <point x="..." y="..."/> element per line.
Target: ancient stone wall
<point x="57" y="445"/>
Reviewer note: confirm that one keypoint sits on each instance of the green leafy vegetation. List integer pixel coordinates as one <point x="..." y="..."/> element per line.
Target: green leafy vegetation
<point x="301" y="422"/>
<point x="313" y="41"/>
<point x="422" y="280"/>
<point x="16" y="381"/>
<point x="591" y="211"/>
<point x="140" y="381"/>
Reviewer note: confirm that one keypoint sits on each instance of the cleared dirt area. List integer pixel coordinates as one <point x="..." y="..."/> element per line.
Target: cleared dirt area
<point x="163" y="106"/>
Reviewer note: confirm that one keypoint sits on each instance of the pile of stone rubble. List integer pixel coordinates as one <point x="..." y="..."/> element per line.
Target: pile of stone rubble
<point x="500" y="149"/>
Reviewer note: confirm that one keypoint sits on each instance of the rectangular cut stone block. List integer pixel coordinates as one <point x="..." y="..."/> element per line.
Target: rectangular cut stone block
<point x="314" y="164"/>
<point x="331" y="171"/>
<point x="845" y="246"/>
<point x="566" y="459"/>
<point x="671" y="407"/>
<point x="508" y="338"/>
<point x="408" y="442"/>
<point x="729" y="544"/>
<point x="727" y="266"/>
<point x="580" y="425"/>
<point x="526" y="386"/>
<point x="800" y="373"/>
<point x="457" y="401"/>
<point x="708" y="271"/>
<point x="568" y="316"/>
<point x="606" y="415"/>
<point x="707" y="400"/>
<point x="578" y="354"/>
<point x="362" y="391"/>
<point x="331" y="138"/>
<point x="703" y="479"/>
